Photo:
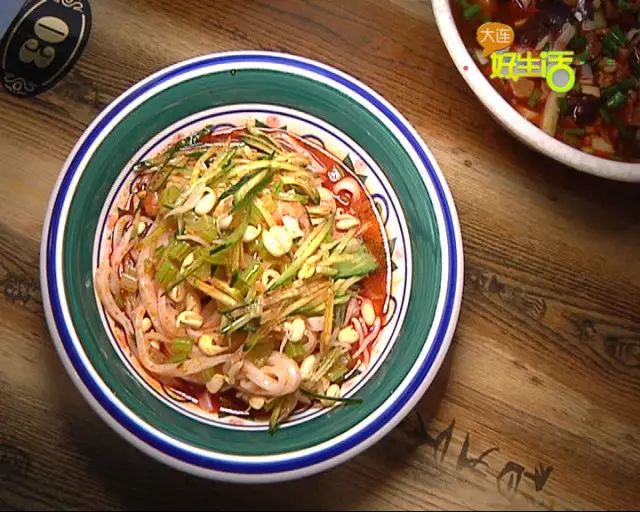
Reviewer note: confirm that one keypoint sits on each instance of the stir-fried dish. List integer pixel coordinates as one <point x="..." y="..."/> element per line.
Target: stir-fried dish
<point x="247" y="270"/>
<point x="601" y="114"/>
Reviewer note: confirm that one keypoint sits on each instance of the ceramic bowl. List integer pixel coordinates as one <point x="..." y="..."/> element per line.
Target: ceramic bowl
<point x="510" y="119"/>
<point x="401" y="177"/>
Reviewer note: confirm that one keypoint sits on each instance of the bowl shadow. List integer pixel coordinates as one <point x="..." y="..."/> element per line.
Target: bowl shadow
<point x="122" y="476"/>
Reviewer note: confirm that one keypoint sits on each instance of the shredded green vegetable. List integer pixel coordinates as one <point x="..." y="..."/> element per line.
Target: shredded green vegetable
<point x="237" y="264"/>
<point x="471" y="11"/>
<point x="534" y="98"/>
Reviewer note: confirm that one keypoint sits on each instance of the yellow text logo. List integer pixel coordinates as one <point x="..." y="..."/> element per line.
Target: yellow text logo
<point x="494" y="36"/>
<point x="554" y="66"/>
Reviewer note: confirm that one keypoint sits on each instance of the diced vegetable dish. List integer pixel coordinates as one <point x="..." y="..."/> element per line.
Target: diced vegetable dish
<point x="601" y="114"/>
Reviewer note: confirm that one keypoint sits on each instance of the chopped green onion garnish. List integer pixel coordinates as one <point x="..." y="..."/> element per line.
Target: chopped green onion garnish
<point x="563" y="105"/>
<point x="618" y="34"/>
<point x="577" y="43"/>
<point x="471" y="11"/>
<point x="628" y="84"/>
<point x="616" y="100"/>
<point x="613" y="41"/>
<point x="605" y="115"/>
<point x="622" y="86"/>
<point x="178" y="250"/>
<point x="534" y="98"/>
<point x="582" y="57"/>
<point x="611" y="90"/>
<point x="180" y="349"/>
<point x="294" y="350"/>
<point x="166" y="273"/>
<point x="337" y="372"/>
<point x="346" y="401"/>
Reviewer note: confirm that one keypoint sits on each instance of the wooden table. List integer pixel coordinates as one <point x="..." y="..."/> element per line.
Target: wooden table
<point x="538" y="404"/>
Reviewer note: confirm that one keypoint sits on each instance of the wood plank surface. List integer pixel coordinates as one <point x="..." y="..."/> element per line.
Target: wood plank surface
<point x="538" y="404"/>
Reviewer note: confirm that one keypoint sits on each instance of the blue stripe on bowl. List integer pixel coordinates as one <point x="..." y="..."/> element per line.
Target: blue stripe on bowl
<point x="211" y="461"/>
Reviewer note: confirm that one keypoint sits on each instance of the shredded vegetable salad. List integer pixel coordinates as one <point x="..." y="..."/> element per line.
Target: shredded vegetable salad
<point x="246" y="269"/>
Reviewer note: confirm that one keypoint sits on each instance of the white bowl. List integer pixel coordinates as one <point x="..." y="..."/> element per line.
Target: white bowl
<point x="415" y="207"/>
<point x="508" y="117"/>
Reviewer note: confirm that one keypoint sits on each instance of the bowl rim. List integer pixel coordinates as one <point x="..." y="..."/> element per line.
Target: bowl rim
<point x="513" y="121"/>
<point x="161" y="447"/>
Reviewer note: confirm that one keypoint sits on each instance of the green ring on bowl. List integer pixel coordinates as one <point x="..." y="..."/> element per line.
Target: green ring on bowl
<point x="299" y="93"/>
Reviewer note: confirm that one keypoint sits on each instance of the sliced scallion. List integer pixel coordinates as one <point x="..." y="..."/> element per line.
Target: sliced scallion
<point x="346" y="401"/>
<point x="616" y="100"/>
<point x="605" y="115"/>
<point x="180" y="349"/>
<point x="534" y="98"/>
<point x="471" y="12"/>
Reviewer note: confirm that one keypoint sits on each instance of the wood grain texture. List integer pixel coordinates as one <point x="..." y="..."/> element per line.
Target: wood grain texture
<point x="538" y="404"/>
